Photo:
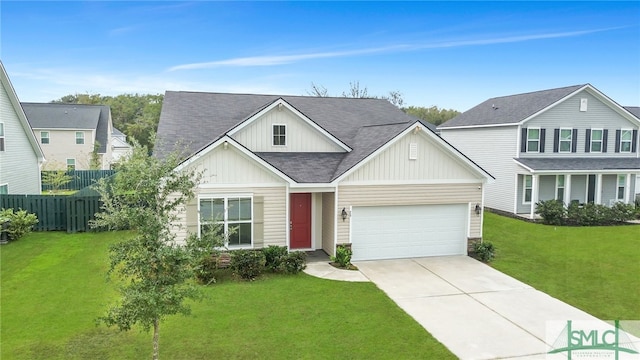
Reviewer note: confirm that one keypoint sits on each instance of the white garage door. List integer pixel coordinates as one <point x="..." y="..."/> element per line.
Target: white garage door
<point x="390" y="232"/>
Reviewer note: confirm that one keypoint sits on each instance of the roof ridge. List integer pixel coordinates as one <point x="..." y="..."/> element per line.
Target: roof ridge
<point x="538" y="91"/>
<point x="278" y="95"/>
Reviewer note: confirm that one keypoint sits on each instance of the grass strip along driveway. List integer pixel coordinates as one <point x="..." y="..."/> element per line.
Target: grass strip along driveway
<point x="596" y="269"/>
<point x="53" y="288"/>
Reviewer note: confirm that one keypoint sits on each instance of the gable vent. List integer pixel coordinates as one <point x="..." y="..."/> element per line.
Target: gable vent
<point x="583" y="104"/>
<point x="413" y="151"/>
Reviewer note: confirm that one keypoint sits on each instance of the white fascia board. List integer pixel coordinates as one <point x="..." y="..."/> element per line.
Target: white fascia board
<point x="239" y="147"/>
<point x="584" y="171"/>
<point x="282" y="102"/>
<point x="613" y="105"/>
<point x="524" y="166"/>
<point x="475" y="126"/>
<point x="415" y="182"/>
<point x="311" y="188"/>
<point x="443" y="143"/>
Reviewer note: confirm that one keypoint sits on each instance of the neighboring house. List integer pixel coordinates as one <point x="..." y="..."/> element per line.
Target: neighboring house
<point x="571" y="144"/>
<point x="70" y="133"/>
<point x="20" y="154"/>
<point x="314" y="172"/>
<point x="119" y="145"/>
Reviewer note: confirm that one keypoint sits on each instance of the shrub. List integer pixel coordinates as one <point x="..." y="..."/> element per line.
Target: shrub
<point x="205" y="272"/>
<point x="247" y="264"/>
<point x="295" y="262"/>
<point x="274" y="257"/>
<point x="21" y="222"/>
<point x="484" y="251"/>
<point x="551" y="211"/>
<point x="621" y="212"/>
<point x="343" y="256"/>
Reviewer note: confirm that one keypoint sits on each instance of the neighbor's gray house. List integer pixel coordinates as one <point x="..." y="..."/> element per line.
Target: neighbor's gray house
<point x="314" y="172"/>
<point x="571" y="144"/>
<point x="68" y="132"/>
<point x="20" y="154"/>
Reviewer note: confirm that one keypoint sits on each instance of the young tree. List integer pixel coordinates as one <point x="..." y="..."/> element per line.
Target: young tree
<point x="145" y="196"/>
<point x="56" y="178"/>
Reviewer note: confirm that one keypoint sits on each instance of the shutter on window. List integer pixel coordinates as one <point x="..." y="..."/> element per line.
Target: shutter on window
<point x="634" y="141"/>
<point x="191" y="216"/>
<point x="258" y="221"/>
<point x="523" y="140"/>
<point x="605" y="136"/>
<point x="587" y="141"/>
<point x="542" y="136"/>
<point x="617" y="141"/>
<point x="556" y="139"/>
<point x="574" y="140"/>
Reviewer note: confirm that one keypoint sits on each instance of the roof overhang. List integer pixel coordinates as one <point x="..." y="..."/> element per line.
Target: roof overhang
<point x="583" y="169"/>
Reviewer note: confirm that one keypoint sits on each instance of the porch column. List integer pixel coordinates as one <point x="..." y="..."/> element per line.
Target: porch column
<point x="567" y="189"/>
<point x="627" y="190"/>
<point x="534" y="195"/>
<point x="598" y="198"/>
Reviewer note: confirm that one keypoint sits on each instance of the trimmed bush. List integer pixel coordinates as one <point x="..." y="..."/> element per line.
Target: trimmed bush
<point x="552" y="212"/>
<point x="343" y="256"/>
<point x="621" y="212"/>
<point x="247" y="264"/>
<point x="484" y="251"/>
<point x="295" y="262"/>
<point x="274" y="257"/>
<point x="21" y="222"/>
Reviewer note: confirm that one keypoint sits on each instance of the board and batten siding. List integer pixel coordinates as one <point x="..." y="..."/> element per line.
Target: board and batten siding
<point x="231" y="166"/>
<point x="300" y="136"/>
<point x="424" y="194"/>
<point x="493" y="149"/>
<point x="269" y="214"/>
<point x="19" y="167"/>
<point x="567" y="114"/>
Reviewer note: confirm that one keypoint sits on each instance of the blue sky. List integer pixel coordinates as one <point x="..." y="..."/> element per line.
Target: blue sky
<point x="448" y="54"/>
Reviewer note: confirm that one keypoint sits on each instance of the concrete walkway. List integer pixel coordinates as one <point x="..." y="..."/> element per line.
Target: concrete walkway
<point x="476" y="311"/>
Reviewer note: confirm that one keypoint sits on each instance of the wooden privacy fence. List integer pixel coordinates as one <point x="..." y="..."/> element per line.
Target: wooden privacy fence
<point x="79" y="178"/>
<point x="69" y="213"/>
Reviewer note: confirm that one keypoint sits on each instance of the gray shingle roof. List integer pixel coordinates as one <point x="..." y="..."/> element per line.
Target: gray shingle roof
<point x="509" y="109"/>
<point x="635" y="110"/>
<point x="70" y="116"/>
<point x="195" y="120"/>
<point x="579" y="164"/>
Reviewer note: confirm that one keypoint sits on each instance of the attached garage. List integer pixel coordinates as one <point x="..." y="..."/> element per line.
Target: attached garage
<point x="390" y="232"/>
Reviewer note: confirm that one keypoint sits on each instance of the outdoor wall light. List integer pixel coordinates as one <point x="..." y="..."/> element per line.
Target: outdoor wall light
<point x="478" y="209"/>
<point x="225" y="145"/>
<point x="344" y="214"/>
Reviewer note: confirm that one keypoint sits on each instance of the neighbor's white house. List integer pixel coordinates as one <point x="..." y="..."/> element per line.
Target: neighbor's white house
<point x="574" y="144"/>
<point x="315" y="172"/>
<point x="20" y="154"/>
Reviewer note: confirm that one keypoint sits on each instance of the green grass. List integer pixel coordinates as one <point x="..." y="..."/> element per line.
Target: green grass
<point x="596" y="269"/>
<point x="53" y="288"/>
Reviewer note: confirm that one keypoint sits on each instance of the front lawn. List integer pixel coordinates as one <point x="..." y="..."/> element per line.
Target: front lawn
<point x="53" y="288"/>
<point x="596" y="269"/>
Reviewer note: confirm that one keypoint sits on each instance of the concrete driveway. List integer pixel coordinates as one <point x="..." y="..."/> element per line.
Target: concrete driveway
<point x="476" y="311"/>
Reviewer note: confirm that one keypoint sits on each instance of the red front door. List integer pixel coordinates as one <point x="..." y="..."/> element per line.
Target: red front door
<point x="300" y="221"/>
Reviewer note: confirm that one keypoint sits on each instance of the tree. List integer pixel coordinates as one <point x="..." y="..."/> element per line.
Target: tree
<point x="145" y="196"/>
<point x="318" y="90"/>
<point x="56" y="179"/>
<point x="434" y="114"/>
<point x="355" y="91"/>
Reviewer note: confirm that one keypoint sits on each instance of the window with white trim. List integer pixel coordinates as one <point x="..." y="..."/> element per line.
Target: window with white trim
<point x="79" y="137"/>
<point x="626" y="136"/>
<point x="566" y="138"/>
<point x="4" y="189"/>
<point x="596" y="140"/>
<point x="622" y="182"/>
<point x="234" y="214"/>
<point x="44" y="137"/>
<point x="533" y="139"/>
<point x="279" y="135"/>
<point x="560" y="187"/>
<point x="71" y="164"/>
<point x="527" y="189"/>
<point x="1" y="136"/>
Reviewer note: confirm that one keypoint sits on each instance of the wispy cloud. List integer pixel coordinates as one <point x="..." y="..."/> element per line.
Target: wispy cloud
<point x="271" y="60"/>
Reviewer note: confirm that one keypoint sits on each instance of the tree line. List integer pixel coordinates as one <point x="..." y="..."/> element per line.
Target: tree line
<point x="137" y="115"/>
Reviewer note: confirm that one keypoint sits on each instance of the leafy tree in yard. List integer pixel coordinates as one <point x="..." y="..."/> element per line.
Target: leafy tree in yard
<point x="434" y="114"/>
<point x="56" y="179"/>
<point x="144" y="196"/>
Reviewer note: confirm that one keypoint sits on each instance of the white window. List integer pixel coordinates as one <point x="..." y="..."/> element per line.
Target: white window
<point x="566" y="139"/>
<point x="4" y="189"/>
<point x="560" y="187"/>
<point x="533" y="140"/>
<point x="235" y="216"/>
<point x="279" y="135"/>
<point x="622" y="181"/>
<point x="79" y="137"/>
<point x="1" y="136"/>
<point x="71" y="164"/>
<point x="527" y="189"/>
<point x="625" y="140"/>
<point x="44" y="137"/>
<point x="596" y="140"/>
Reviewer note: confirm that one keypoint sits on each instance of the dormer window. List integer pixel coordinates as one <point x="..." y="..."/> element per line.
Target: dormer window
<point x="279" y="135"/>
